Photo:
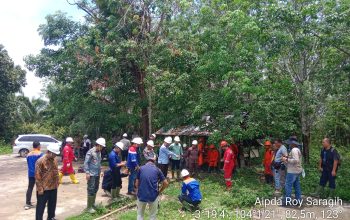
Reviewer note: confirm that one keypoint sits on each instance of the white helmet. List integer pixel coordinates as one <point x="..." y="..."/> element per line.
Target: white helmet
<point x="194" y="142"/>
<point x="54" y="148"/>
<point x="125" y="135"/>
<point x="101" y="141"/>
<point x="184" y="173"/>
<point x="154" y="135"/>
<point x="150" y="143"/>
<point x="137" y="140"/>
<point x="168" y="140"/>
<point x="69" y="140"/>
<point x="177" y="139"/>
<point x="120" y="145"/>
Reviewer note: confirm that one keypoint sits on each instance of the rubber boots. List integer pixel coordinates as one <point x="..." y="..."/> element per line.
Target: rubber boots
<point x="115" y="194"/>
<point x="319" y="192"/>
<point x="177" y="174"/>
<point x="90" y="204"/>
<point x="60" y="177"/>
<point x="73" y="179"/>
<point x="331" y="194"/>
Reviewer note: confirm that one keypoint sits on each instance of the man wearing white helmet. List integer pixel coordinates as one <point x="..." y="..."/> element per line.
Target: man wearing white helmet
<point x="133" y="163"/>
<point x="68" y="157"/>
<point x="115" y="164"/>
<point x="92" y="167"/>
<point x="164" y="154"/>
<point x="176" y="148"/>
<point x="152" y="137"/>
<point x="127" y="144"/>
<point x="148" y="152"/>
<point x="47" y="181"/>
<point x="190" y="192"/>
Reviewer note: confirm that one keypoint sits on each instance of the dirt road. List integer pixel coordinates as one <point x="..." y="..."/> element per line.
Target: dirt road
<point x="13" y="186"/>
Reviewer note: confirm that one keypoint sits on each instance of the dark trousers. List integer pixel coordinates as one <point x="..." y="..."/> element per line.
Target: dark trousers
<point x="124" y="155"/>
<point x="92" y="185"/>
<point x="116" y="178"/>
<point x="164" y="169"/>
<point x="31" y="183"/>
<point x="49" y="197"/>
<point x="175" y="165"/>
<point x="268" y="178"/>
<point x="327" y="177"/>
<point x="186" y="198"/>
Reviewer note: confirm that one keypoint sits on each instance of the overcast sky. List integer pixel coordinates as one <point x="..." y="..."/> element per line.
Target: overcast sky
<point x="19" y="21"/>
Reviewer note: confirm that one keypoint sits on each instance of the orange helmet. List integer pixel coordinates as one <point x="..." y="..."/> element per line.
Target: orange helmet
<point x="268" y="143"/>
<point x="223" y="143"/>
<point x="212" y="146"/>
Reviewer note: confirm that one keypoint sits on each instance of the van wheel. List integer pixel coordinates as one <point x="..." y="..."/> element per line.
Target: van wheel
<point x="23" y="152"/>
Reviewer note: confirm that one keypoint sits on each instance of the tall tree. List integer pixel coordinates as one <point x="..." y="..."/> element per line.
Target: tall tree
<point x="12" y="77"/>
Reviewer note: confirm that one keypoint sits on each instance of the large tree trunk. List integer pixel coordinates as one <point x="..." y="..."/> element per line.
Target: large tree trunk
<point x="140" y="77"/>
<point x="305" y="127"/>
<point x="306" y="146"/>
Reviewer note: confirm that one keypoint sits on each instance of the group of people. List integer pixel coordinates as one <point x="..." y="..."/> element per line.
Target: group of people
<point x="146" y="181"/>
<point x="283" y="168"/>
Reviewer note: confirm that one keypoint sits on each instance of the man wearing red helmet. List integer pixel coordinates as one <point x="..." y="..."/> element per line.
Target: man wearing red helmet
<point x="229" y="163"/>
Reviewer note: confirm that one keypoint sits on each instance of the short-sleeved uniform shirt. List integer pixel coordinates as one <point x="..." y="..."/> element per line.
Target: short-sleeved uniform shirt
<point x="149" y="176"/>
<point x="280" y="152"/>
<point x="328" y="157"/>
<point x="113" y="160"/>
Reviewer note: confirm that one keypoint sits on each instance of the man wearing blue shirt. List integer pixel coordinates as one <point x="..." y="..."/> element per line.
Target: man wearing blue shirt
<point x="32" y="157"/>
<point x="148" y="178"/>
<point x="133" y="163"/>
<point x="164" y="154"/>
<point x="115" y="164"/>
<point x="190" y="192"/>
<point x="279" y="167"/>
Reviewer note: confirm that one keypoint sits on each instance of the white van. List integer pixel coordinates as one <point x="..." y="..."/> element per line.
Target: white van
<point x="24" y="143"/>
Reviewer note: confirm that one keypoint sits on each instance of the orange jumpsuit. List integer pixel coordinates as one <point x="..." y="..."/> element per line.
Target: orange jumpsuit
<point x="200" y="153"/>
<point x="229" y="164"/>
<point x="213" y="155"/>
<point x="235" y="150"/>
<point x="267" y="162"/>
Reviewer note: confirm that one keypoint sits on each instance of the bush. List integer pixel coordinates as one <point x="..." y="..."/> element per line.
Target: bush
<point x="5" y="148"/>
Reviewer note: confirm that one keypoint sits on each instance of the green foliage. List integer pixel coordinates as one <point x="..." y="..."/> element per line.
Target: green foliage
<point x="258" y="69"/>
<point x="12" y="77"/>
<point x="5" y="148"/>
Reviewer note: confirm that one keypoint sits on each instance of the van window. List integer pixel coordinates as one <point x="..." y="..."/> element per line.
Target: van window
<point x="29" y="139"/>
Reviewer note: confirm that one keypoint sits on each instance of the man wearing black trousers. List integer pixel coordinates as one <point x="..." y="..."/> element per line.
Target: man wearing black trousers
<point x="32" y="157"/>
<point x="47" y="180"/>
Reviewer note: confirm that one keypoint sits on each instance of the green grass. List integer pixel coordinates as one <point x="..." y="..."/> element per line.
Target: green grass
<point x="101" y="210"/>
<point x="5" y="148"/>
<point x="215" y="198"/>
<point x="246" y="188"/>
